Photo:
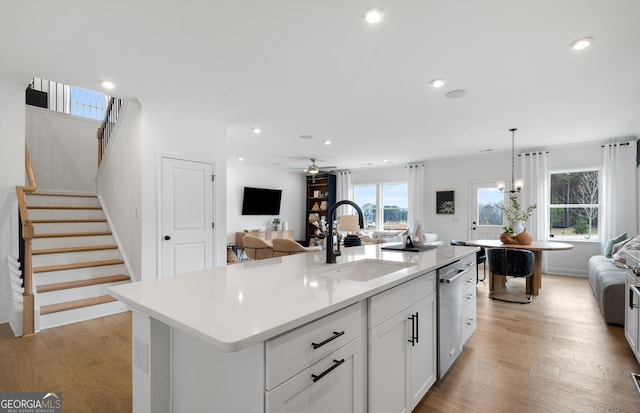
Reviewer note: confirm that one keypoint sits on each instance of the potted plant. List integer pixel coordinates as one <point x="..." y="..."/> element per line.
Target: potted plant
<point x="516" y="216"/>
<point x="276" y="224"/>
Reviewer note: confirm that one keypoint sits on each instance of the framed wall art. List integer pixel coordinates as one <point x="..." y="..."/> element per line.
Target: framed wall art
<point x="445" y="202"/>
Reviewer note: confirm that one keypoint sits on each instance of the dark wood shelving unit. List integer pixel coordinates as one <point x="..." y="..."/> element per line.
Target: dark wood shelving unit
<point x="321" y="196"/>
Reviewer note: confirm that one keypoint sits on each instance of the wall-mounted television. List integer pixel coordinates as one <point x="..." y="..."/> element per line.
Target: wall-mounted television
<point x="261" y="201"/>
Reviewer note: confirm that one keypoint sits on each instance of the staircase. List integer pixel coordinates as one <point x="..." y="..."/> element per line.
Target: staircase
<point x="75" y="259"/>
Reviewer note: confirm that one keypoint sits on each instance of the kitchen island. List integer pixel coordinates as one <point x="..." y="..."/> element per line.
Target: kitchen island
<point x="227" y="339"/>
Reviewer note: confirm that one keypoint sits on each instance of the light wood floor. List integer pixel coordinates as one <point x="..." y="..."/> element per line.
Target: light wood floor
<point x="554" y="355"/>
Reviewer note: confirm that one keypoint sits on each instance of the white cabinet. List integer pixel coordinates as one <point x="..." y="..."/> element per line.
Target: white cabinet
<point x="469" y="298"/>
<point x="632" y="303"/>
<point x="319" y="367"/>
<point x="402" y="345"/>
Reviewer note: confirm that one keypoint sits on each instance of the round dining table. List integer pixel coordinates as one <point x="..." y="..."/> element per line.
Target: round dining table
<point x="536" y="247"/>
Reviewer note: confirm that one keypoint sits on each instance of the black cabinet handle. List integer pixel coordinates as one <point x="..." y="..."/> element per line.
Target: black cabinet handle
<point x="167" y="238"/>
<point x="417" y="326"/>
<point x="327" y="371"/>
<point x="412" y="340"/>
<point x="333" y="337"/>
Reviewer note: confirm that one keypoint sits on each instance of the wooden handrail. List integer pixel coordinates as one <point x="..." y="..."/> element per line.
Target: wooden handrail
<point x="28" y="323"/>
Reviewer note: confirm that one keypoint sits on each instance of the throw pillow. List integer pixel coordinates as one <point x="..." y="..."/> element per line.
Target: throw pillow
<point x="632" y="244"/>
<point x="610" y="243"/>
<point x="617" y="247"/>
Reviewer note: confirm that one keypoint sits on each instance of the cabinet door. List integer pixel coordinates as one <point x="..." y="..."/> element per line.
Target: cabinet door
<point x="422" y="352"/>
<point x="388" y="365"/>
<point x="339" y="390"/>
<point x="631" y="314"/>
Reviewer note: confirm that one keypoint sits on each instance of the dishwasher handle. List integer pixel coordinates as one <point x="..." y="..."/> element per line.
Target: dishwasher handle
<point x="449" y="279"/>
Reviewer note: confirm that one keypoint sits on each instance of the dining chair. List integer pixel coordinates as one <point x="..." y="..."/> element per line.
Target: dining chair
<point x="510" y="262"/>
<point x="481" y="258"/>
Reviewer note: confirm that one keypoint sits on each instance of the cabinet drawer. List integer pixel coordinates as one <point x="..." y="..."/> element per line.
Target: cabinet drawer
<point x="294" y="351"/>
<point x="468" y="320"/>
<point x="389" y="303"/>
<point x="469" y="296"/>
<point x="340" y="389"/>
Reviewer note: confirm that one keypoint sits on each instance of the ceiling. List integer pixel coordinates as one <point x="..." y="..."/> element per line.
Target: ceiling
<point x="316" y="68"/>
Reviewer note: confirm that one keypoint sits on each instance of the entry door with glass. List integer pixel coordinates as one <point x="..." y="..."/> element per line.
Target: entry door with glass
<point x="486" y="216"/>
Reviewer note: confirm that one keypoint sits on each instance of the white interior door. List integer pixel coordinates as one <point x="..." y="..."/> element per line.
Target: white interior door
<point x="187" y="216"/>
<point x="486" y="217"/>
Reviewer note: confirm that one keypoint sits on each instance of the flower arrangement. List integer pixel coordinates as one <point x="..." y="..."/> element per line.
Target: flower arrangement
<point x="321" y="227"/>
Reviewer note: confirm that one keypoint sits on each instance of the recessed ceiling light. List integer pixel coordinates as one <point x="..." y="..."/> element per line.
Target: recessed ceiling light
<point x="373" y="15"/>
<point x="386" y="161"/>
<point x="581" y="43"/>
<point x="327" y="142"/>
<point x="256" y="131"/>
<point x="437" y="83"/>
<point x="454" y="94"/>
<point x="108" y="85"/>
<point x="241" y="159"/>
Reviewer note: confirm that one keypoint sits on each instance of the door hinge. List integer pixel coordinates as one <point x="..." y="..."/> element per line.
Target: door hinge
<point x="213" y="225"/>
<point x="213" y="178"/>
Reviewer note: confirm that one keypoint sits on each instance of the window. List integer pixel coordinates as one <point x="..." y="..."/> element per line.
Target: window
<point x="391" y="199"/>
<point x="574" y="205"/>
<point x="88" y="103"/>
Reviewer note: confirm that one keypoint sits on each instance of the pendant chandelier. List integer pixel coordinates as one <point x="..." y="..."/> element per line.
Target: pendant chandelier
<point x="516" y="185"/>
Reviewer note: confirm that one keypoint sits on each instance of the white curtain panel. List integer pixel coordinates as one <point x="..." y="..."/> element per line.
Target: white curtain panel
<point x="344" y="192"/>
<point x="415" y="193"/>
<point x="619" y="185"/>
<point x="535" y="191"/>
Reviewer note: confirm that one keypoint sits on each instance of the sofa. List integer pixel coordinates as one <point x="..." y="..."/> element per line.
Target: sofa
<point x="389" y="236"/>
<point x="607" y="279"/>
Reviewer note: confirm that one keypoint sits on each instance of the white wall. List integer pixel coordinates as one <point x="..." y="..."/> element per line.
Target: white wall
<point x="119" y="185"/>
<point x="12" y="131"/>
<point x="291" y="207"/>
<point x="459" y="174"/>
<point x="165" y="132"/>
<point x="389" y="174"/>
<point x="63" y="150"/>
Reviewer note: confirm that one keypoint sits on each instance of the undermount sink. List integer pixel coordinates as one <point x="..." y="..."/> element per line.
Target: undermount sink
<point x="365" y="270"/>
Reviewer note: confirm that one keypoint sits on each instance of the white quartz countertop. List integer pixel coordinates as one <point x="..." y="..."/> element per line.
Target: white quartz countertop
<point x="239" y="305"/>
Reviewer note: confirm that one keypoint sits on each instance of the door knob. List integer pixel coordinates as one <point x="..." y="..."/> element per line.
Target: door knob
<point x="167" y="237"/>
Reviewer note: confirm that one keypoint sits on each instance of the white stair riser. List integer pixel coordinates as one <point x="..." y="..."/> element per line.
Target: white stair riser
<point x="55" y="277"/>
<point x="67" y="242"/>
<point x="66" y="214"/>
<point x="72" y="294"/>
<point x="69" y="227"/>
<point x="81" y="314"/>
<point x="61" y="201"/>
<point x="73" y="257"/>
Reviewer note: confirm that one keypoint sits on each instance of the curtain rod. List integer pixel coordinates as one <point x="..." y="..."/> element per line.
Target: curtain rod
<point x="614" y="144"/>
<point x="533" y="153"/>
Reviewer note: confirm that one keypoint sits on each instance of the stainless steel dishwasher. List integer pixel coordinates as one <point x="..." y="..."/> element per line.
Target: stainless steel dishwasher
<point x="449" y="315"/>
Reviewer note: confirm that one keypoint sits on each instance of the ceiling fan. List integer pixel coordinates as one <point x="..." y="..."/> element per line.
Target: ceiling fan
<point x="315" y="169"/>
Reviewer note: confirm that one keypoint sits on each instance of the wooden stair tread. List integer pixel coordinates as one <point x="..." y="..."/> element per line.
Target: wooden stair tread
<point x="63" y="194"/>
<point x="71" y="305"/>
<point x="74" y="249"/>
<point x="81" y="283"/>
<point x="72" y="234"/>
<point x="64" y="221"/>
<point x="69" y="207"/>
<point x="76" y="265"/>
